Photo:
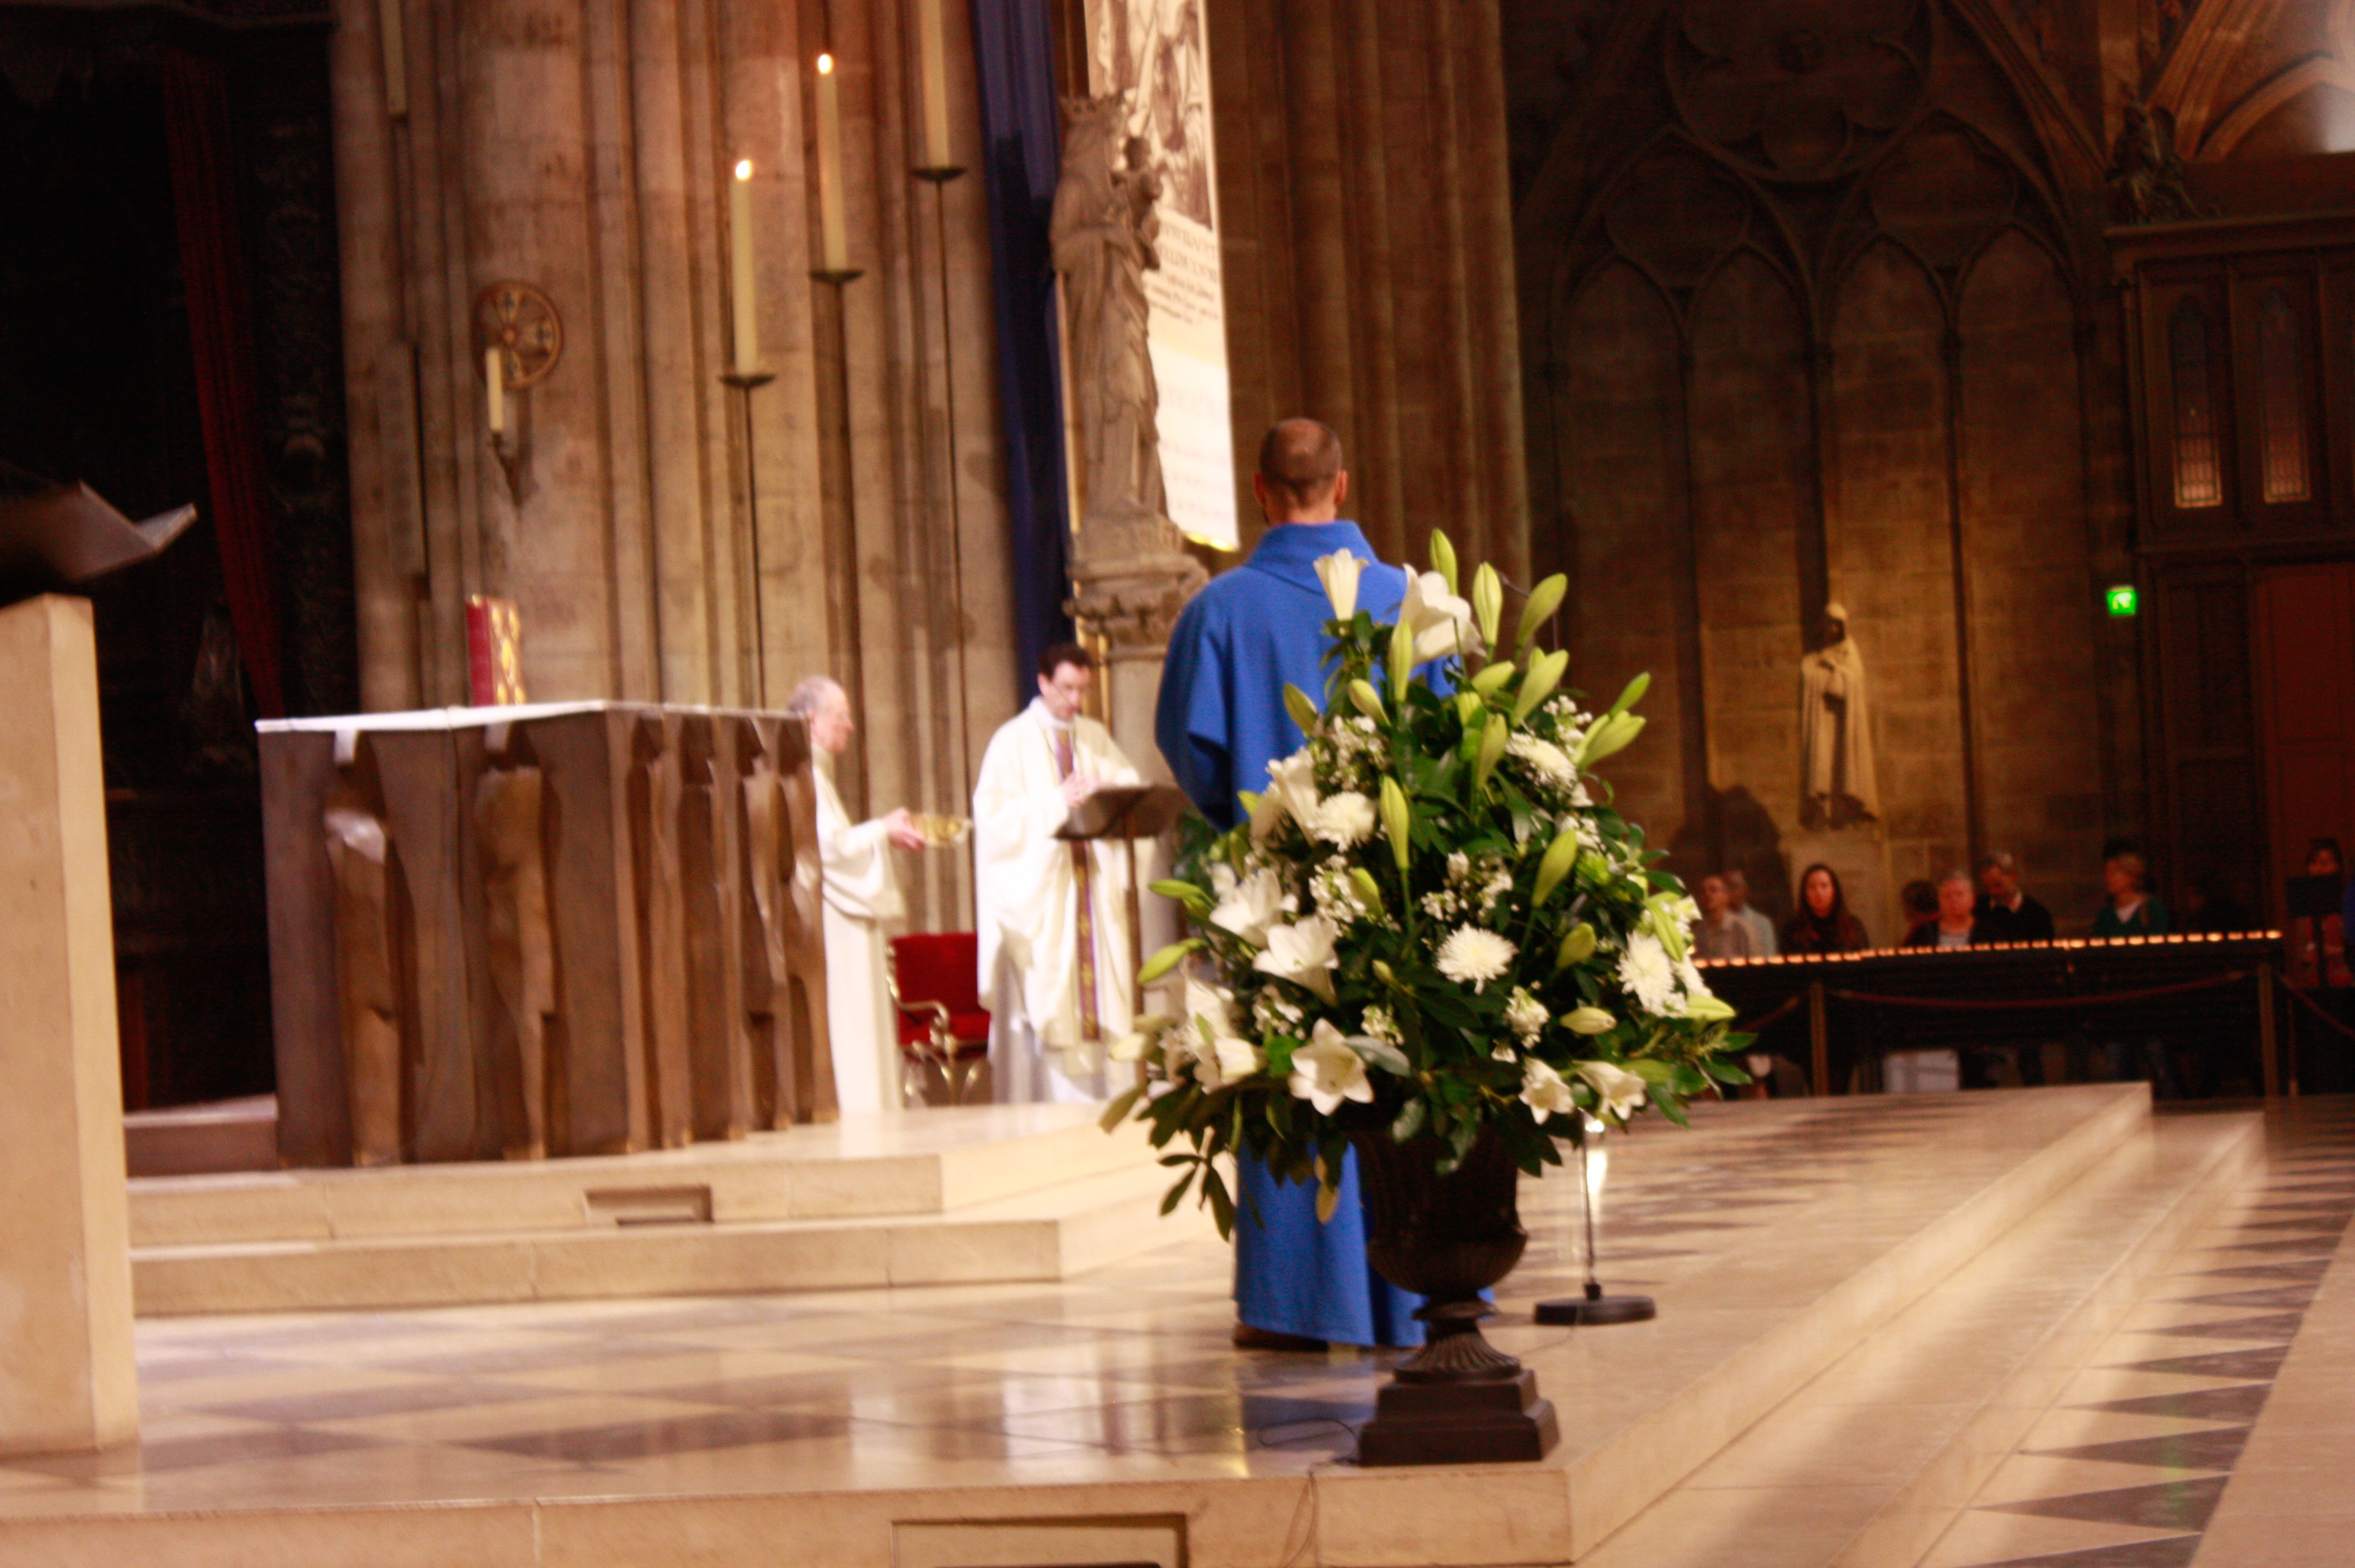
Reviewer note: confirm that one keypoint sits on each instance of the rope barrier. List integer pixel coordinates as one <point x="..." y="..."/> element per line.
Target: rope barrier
<point x="2317" y="1009"/>
<point x="1790" y="1005"/>
<point x="2033" y="1004"/>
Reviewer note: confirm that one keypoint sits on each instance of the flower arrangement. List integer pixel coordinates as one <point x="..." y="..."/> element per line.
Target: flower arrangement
<point x="1433" y="924"/>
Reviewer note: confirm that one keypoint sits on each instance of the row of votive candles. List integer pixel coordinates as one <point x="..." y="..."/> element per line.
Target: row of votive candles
<point x="2069" y="943"/>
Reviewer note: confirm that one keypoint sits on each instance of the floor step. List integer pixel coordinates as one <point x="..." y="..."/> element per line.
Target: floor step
<point x="929" y="1161"/>
<point x="192" y="1140"/>
<point x="1891" y="1442"/>
<point x="1048" y="1233"/>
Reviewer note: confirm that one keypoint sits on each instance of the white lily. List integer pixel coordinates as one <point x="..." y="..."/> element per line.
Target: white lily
<point x="1339" y="573"/>
<point x="1291" y="792"/>
<point x="1224" y="1059"/>
<point x="1213" y="1004"/>
<point x="1544" y="1092"/>
<point x="1303" y="954"/>
<point x="1621" y="1091"/>
<point x="1252" y="906"/>
<point x="1326" y="1072"/>
<point x="1440" y="621"/>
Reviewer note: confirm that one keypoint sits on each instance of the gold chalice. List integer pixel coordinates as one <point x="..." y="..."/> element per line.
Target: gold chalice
<point x="940" y="830"/>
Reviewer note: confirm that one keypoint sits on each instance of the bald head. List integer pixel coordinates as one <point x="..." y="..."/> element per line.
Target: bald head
<point x="1300" y="477"/>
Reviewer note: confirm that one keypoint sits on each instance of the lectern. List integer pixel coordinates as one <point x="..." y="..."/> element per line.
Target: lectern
<point x="1128" y="813"/>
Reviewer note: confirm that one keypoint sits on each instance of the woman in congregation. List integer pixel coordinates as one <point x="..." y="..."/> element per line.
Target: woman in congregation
<point x="1822" y="922"/>
<point x="2131" y="912"/>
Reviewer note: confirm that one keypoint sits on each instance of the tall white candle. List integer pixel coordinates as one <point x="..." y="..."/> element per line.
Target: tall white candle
<point x="743" y="287"/>
<point x="931" y="53"/>
<point x="494" y="378"/>
<point x="833" y="245"/>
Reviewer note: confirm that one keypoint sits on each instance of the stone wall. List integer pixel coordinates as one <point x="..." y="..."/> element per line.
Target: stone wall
<point x="1811" y="316"/>
<point x="583" y="147"/>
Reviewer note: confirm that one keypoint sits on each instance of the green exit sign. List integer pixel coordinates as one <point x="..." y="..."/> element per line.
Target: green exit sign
<point x="2121" y="600"/>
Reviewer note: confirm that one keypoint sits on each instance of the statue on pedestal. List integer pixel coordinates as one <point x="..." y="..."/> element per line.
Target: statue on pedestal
<point x="1837" y="785"/>
<point x="1104" y="230"/>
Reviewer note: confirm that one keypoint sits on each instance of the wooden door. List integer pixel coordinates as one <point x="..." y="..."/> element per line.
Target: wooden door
<point x="2306" y="709"/>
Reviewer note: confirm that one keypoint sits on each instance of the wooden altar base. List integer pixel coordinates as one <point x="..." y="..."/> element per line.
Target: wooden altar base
<point x="1102" y="1417"/>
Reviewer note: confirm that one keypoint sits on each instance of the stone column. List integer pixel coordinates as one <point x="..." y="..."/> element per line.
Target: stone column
<point x="67" y="1378"/>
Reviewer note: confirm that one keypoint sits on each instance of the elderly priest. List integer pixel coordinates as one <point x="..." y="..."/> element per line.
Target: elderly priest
<point x="1052" y="912"/>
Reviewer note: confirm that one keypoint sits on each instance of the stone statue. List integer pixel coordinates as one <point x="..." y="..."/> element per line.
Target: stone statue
<point x="1104" y="232"/>
<point x="2145" y="174"/>
<point x="1837" y="785"/>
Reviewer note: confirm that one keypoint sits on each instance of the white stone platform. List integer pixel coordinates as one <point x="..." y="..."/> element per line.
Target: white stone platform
<point x="940" y="1425"/>
<point x="956" y="1195"/>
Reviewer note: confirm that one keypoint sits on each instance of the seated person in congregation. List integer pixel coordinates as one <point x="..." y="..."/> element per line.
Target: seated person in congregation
<point x="1822" y="922"/>
<point x="2131" y="912"/>
<point x="1956" y="925"/>
<point x="1719" y="932"/>
<point x="2005" y="914"/>
<point x="1919" y="900"/>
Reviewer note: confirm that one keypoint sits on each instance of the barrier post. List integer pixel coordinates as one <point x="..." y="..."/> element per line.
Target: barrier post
<point x="1818" y="1044"/>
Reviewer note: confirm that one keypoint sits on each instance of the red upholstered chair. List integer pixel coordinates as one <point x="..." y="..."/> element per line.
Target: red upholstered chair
<point x="937" y="996"/>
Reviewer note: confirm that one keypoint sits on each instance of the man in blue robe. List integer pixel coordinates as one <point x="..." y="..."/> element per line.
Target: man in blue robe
<point x="1221" y="720"/>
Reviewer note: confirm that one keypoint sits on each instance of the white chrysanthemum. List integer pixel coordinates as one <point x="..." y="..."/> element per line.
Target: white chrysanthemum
<point x="1545" y="759"/>
<point x="1526" y="1014"/>
<point x="1343" y="821"/>
<point x="1649" y="975"/>
<point x="1471" y="956"/>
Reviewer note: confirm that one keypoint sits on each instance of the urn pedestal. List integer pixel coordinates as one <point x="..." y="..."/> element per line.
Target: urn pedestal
<point x="1458" y="1399"/>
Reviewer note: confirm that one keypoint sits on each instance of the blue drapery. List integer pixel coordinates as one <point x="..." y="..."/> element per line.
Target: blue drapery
<point x="1020" y="130"/>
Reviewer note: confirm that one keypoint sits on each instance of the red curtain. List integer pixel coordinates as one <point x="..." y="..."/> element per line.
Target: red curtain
<point x="221" y="335"/>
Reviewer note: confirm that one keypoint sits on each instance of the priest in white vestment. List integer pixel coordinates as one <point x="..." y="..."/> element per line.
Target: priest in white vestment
<point x="1055" y="967"/>
<point x="861" y="895"/>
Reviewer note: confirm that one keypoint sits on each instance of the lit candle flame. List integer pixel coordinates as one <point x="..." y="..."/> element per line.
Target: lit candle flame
<point x="825" y="65"/>
<point x="743" y="168"/>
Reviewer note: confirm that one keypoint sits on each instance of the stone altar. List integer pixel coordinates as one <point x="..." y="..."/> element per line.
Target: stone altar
<point x="563" y="929"/>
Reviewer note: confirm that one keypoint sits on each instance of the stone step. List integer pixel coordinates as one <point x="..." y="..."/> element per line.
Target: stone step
<point x="929" y="1161"/>
<point x="193" y="1140"/>
<point x="1047" y="1233"/>
<point x="1894" y="1440"/>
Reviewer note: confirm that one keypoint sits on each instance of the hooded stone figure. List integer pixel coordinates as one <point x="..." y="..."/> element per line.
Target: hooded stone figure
<point x="1838" y="785"/>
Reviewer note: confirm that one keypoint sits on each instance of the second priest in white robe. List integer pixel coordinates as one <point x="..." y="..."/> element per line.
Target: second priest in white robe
<point x="1057" y="986"/>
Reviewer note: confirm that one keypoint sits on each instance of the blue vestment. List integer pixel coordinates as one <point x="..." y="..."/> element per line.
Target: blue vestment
<point x="1221" y="720"/>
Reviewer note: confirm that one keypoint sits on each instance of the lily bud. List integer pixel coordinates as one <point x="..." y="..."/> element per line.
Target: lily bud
<point x="1443" y="559"/>
<point x="1707" y="1010"/>
<point x="1488" y="602"/>
<point x="1545" y="674"/>
<point x="1492" y="677"/>
<point x="1367" y="699"/>
<point x="1402" y="659"/>
<point x="1397" y="821"/>
<point x="1539" y="608"/>
<point x="1384" y="973"/>
<point x="1492" y="749"/>
<point x="1609" y="736"/>
<point x="1368" y="889"/>
<point x="1631" y="695"/>
<point x="1296" y="703"/>
<point x="1560" y="856"/>
<point x="1590" y="1020"/>
<point x="1577" y="946"/>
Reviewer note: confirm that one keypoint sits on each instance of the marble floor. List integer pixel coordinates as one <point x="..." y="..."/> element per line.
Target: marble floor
<point x="2212" y="1423"/>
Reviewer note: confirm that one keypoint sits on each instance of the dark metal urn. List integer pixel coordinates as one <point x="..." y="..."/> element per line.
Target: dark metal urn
<point x="1458" y="1399"/>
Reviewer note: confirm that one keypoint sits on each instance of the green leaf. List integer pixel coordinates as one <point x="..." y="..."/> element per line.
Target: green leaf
<point x="1168" y="958"/>
<point x="1651" y="1069"/>
<point x="1122" y="1103"/>
<point x="1409" y="1122"/>
<point x="1222" y="1206"/>
<point x="1171" y="1199"/>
